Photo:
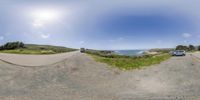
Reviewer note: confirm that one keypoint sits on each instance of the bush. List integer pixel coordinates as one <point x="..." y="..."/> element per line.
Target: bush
<point x="198" y="48"/>
<point x="186" y="48"/>
<point x="182" y="47"/>
<point x="161" y="50"/>
<point x="12" y="45"/>
<point x="191" y="47"/>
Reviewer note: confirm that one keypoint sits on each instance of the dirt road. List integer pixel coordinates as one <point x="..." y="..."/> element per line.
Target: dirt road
<point x="81" y="78"/>
<point x="35" y="60"/>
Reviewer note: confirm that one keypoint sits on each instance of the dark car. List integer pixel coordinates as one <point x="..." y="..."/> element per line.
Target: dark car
<point x="82" y="50"/>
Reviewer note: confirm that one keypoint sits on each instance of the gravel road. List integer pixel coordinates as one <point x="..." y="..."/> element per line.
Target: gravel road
<point x="35" y="60"/>
<point x="81" y="78"/>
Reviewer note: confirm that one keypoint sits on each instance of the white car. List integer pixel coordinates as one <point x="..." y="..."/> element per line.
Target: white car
<point x="178" y="53"/>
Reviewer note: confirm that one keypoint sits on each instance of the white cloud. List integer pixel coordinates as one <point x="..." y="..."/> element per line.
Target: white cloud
<point x="186" y="42"/>
<point x="81" y="42"/>
<point x="116" y="40"/>
<point x="45" y="36"/>
<point x="7" y="34"/>
<point x="111" y="40"/>
<point x="121" y="38"/>
<point x="159" y="42"/>
<point x="38" y="23"/>
<point x="186" y="35"/>
<point x="1" y="37"/>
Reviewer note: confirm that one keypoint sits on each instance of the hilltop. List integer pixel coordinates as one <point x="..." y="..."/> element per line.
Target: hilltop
<point x="34" y="49"/>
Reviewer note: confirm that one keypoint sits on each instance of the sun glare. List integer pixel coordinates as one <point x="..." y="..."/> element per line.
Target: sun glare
<point x="44" y="16"/>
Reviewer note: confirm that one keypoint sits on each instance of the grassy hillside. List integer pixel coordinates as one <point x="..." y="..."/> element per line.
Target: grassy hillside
<point x="38" y="49"/>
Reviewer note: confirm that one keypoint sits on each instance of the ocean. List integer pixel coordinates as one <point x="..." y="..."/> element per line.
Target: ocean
<point x="130" y="52"/>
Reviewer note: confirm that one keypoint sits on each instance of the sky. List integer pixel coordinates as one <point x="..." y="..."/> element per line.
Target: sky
<point x="101" y="24"/>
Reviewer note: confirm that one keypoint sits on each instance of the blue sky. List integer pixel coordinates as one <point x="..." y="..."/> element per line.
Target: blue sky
<point x="101" y="24"/>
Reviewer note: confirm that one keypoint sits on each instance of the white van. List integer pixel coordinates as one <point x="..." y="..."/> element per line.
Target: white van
<point x="178" y="53"/>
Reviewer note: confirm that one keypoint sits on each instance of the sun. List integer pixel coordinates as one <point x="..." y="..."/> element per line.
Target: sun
<point x="44" y="16"/>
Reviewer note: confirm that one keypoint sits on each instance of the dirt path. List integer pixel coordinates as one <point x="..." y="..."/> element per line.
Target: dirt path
<point x="81" y="78"/>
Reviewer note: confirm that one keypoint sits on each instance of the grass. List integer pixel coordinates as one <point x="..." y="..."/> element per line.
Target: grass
<point x="38" y="49"/>
<point x="24" y="51"/>
<point x="128" y="63"/>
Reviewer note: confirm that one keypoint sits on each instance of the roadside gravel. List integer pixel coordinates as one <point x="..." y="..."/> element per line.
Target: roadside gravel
<point x="81" y="78"/>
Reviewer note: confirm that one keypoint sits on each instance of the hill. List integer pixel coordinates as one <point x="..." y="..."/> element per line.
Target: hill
<point x="38" y="49"/>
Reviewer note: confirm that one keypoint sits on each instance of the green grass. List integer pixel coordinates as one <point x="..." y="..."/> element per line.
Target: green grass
<point x="24" y="51"/>
<point x="128" y="63"/>
<point x="38" y="49"/>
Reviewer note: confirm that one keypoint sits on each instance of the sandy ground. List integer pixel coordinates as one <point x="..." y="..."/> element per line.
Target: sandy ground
<point x="81" y="78"/>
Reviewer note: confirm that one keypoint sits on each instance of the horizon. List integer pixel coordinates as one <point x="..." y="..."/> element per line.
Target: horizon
<point x="98" y="49"/>
<point x="103" y="25"/>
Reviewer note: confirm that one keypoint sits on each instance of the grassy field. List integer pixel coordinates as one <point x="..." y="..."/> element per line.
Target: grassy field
<point x="38" y="49"/>
<point x="128" y="63"/>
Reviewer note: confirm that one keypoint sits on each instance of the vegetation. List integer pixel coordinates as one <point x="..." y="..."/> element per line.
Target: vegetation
<point x="191" y="48"/>
<point x="103" y="53"/>
<point x="198" y="48"/>
<point x="187" y="48"/>
<point x="21" y="48"/>
<point x="182" y="47"/>
<point x="12" y="45"/>
<point x="179" y="47"/>
<point x="163" y="50"/>
<point x="128" y="62"/>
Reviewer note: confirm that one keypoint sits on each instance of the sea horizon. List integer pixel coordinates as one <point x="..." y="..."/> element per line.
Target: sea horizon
<point x="133" y="52"/>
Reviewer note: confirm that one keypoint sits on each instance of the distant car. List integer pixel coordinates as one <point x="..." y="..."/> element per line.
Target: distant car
<point x="178" y="53"/>
<point x="82" y="50"/>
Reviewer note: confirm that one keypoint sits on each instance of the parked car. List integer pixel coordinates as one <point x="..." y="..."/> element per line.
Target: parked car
<point x="178" y="53"/>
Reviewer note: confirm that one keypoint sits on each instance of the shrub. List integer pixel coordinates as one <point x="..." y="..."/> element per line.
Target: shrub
<point x="182" y="47"/>
<point x="12" y="45"/>
<point x="186" y="48"/>
<point x="198" y="48"/>
<point x="191" y="47"/>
